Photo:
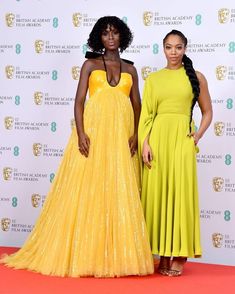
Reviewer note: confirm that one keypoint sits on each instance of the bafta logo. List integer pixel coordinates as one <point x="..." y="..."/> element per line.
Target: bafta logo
<point x="77" y="19"/>
<point x="76" y="72"/>
<point x="147" y="18"/>
<point x="37" y="149"/>
<point x="10" y="17"/>
<point x="217" y="240"/>
<point x="221" y="71"/>
<point x="223" y="15"/>
<point x="8" y="122"/>
<point x="145" y="71"/>
<point x="36" y="200"/>
<point x="38" y="97"/>
<point x="219" y="127"/>
<point x="72" y="123"/>
<point x="218" y="184"/>
<point x="9" y="70"/>
<point x="7" y="173"/>
<point x="39" y="46"/>
<point x="5" y="224"/>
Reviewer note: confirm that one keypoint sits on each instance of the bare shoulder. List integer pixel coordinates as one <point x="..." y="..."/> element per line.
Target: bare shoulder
<point x="130" y="68"/>
<point x="201" y="77"/>
<point x="90" y="64"/>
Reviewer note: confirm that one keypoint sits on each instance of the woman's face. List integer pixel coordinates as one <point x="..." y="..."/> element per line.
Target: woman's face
<point x="174" y="50"/>
<point x="110" y="38"/>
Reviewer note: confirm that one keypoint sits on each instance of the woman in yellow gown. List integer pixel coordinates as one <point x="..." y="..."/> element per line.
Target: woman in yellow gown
<point x="92" y="222"/>
<point x="167" y="143"/>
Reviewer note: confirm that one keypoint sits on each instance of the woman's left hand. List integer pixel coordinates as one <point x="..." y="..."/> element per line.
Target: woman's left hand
<point x="133" y="143"/>
<point x="196" y="137"/>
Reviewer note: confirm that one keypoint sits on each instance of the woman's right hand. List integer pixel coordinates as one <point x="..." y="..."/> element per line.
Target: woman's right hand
<point x="84" y="144"/>
<point x="147" y="154"/>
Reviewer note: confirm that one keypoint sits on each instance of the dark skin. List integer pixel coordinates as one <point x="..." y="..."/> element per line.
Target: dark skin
<point x="111" y="41"/>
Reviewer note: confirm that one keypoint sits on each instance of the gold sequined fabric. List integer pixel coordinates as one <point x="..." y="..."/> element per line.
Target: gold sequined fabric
<point x="92" y="222"/>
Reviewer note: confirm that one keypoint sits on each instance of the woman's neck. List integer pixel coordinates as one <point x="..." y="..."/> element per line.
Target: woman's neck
<point x="112" y="55"/>
<point x="175" y="66"/>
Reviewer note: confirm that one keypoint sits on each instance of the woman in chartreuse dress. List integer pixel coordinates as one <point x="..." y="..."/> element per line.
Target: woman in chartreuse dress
<point x="168" y="146"/>
<point x="92" y="223"/>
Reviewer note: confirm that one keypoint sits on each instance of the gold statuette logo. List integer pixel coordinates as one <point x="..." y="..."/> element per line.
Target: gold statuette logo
<point x="76" y="72"/>
<point x="37" y="149"/>
<point x="38" y="97"/>
<point x="218" y="184"/>
<point x="77" y="19"/>
<point x="9" y="70"/>
<point x="7" y="173"/>
<point x="221" y="72"/>
<point x="145" y="71"/>
<point x="8" y="122"/>
<point x="5" y="224"/>
<point x="147" y="18"/>
<point x="10" y="17"/>
<point x="217" y="240"/>
<point x="39" y="46"/>
<point x="35" y="200"/>
<point x="223" y="15"/>
<point x="219" y="127"/>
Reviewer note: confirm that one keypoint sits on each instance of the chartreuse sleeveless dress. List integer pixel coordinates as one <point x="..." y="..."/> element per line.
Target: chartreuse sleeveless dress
<point x="92" y="222"/>
<point x="169" y="189"/>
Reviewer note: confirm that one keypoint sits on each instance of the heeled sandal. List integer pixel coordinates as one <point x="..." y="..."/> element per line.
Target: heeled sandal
<point x="163" y="271"/>
<point x="164" y="268"/>
<point x="176" y="273"/>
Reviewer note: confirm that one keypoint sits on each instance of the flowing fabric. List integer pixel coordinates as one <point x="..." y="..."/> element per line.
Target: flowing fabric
<point x="92" y="222"/>
<point x="169" y="189"/>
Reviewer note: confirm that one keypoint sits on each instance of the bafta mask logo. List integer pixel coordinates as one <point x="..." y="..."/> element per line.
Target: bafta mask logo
<point x="39" y="46"/>
<point x="38" y="97"/>
<point x="10" y="17"/>
<point x="218" y="184"/>
<point x="37" y="149"/>
<point x="145" y="71"/>
<point x="76" y="72"/>
<point x="72" y="123"/>
<point x="9" y="70"/>
<point x="147" y="18"/>
<point x="217" y="240"/>
<point x="8" y="122"/>
<point x="7" y="173"/>
<point x="219" y="127"/>
<point x="5" y="224"/>
<point x="77" y="19"/>
<point x="36" y="200"/>
<point x="221" y="72"/>
<point x="223" y="15"/>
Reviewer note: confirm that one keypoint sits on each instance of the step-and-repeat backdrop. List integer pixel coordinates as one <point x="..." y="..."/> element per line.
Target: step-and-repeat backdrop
<point x="42" y="47"/>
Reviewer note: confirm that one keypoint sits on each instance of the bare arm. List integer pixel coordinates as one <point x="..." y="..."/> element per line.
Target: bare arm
<point x="204" y="102"/>
<point x="136" y="105"/>
<point x="84" y="141"/>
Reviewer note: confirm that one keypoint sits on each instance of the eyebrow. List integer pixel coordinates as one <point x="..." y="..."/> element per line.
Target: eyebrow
<point x="173" y="44"/>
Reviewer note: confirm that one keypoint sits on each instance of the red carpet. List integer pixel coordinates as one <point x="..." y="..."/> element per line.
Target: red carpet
<point x="197" y="278"/>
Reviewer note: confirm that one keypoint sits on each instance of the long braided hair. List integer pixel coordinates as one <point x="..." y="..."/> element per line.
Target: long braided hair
<point x="190" y="71"/>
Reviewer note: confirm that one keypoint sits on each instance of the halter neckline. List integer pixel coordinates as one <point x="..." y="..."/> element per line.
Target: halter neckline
<point x="120" y="72"/>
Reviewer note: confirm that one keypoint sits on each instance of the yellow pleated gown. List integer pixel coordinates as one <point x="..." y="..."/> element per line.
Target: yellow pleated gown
<point x="92" y="222"/>
<point x="169" y="189"/>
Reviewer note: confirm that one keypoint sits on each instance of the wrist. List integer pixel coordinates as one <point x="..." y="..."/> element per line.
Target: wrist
<point x="199" y="134"/>
<point x="81" y="133"/>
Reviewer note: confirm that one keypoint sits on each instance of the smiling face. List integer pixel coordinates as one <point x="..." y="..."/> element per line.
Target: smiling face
<point x="174" y="49"/>
<point x="110" y="38"/>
